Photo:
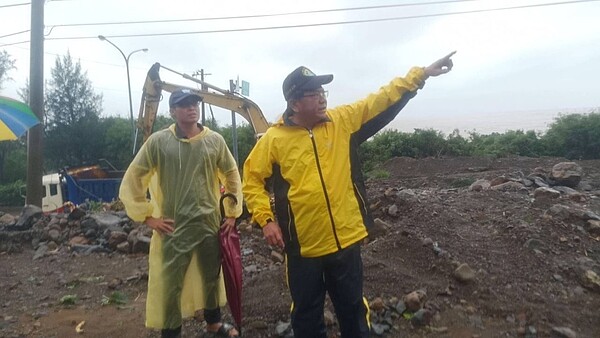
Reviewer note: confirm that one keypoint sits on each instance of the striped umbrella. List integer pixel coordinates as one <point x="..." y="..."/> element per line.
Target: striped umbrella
<point x="15" y="119"/>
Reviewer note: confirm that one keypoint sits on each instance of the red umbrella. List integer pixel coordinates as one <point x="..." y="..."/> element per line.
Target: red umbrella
<point x="231" y="262"/>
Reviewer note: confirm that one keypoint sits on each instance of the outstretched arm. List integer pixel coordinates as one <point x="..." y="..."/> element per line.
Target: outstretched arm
<point x="379" y="108"/>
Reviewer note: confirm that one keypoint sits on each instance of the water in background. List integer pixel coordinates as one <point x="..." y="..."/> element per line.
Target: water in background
<point x="485" y="123"/>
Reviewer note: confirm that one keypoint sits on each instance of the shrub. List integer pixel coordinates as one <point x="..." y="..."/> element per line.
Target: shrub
<point x="378" y="174"/>
<point x="13" y="194"/>
<point x="574" y="136"/>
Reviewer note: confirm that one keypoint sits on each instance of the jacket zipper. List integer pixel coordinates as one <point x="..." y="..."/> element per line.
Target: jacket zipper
<point x="314" y="144"/>
<point x="289" y="222"/>
<point x="361" y="198"/>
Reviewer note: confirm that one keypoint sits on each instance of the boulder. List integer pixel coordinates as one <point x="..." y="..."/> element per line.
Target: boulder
<point x="480" y="185"/>
<point x="544" y="197"/>
<point x="29" y="215"/>
<point x="566" y="173"/>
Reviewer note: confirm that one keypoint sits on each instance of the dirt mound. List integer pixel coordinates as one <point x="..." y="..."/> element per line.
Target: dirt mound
<point x="526" y="268"/>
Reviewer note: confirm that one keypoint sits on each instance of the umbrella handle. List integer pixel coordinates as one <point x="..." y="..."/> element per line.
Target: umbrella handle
<point x="221" y="204"/>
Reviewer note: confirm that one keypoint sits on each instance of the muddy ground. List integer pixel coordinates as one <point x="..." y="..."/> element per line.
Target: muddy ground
<point x="529" y="264"/>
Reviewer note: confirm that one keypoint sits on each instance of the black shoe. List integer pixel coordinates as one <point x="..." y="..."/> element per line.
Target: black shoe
<point x="171" y="333"/>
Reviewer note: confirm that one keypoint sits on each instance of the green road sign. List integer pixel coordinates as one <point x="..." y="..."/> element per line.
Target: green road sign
<point x="245" y="88"/>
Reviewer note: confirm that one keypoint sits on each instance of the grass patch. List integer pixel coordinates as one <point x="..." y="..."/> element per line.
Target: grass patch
<point x="68" y="300"/>
<point x="461" y="182"/>
<point x="378" y="174"/>
<point x="115" y="298"/>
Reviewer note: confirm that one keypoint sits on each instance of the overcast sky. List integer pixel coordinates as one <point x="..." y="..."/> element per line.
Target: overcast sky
<point x="514" y="69"/>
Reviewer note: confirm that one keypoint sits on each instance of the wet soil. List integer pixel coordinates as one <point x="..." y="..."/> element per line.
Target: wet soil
<point x="518" y="291"/>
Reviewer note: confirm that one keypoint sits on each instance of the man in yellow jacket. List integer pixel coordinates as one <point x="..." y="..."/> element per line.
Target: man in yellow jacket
<point x="183" y="166"/>
<point x="309" y="158"/>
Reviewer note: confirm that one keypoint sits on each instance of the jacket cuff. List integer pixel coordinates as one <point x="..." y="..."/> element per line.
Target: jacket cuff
<point x="417" y="76"/>
<point x="263" y="221"/>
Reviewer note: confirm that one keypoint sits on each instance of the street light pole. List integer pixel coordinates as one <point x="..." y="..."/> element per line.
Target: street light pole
<point x="126" y="58"/>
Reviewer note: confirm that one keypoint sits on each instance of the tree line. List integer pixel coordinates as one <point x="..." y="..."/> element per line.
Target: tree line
<point x="572" y="136"/>
<point x="76" y="133"/>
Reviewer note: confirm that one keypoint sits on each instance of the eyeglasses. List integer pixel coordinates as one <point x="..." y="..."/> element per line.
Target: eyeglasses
<point x="186" y="104"/>
<point x="319" y="93"/>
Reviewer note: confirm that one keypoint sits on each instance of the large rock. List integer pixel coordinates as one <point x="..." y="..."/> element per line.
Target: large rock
<point x="591" y="281"/>
<point x="106" y="220"/>
<point x="123" y="247"/>
<point x="540" y="182"/>
<point x="393" y="210"/>
<point x="566" y="173"/>
<point x="546" y="193"/>
<point x="116" y="238"/>
<point x="498" y="181"/>
<point x="415" y="300"/>
<point x="8" y="219"/>
<point x="139" y="242"/>
<point x="544" y="196"/>
<point x="570" y="214"/>
<point x="464" y="273"/>
<point x="480" y="185"/>
<point x="563" y="332"/>
<point x="593" y="227"/>
<point x="76" y="214"/>
<point x="378" y="229"/>
<point x="29" y="215"/>
<point x="407" y="196"/>
<point x="79" y="240"/>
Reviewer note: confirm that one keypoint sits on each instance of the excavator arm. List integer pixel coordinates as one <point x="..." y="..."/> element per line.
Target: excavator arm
<point x="152" y="95"/>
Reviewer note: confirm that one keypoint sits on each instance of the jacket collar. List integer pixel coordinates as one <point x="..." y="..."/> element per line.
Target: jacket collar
<point x="179" y="133"/>
<point x="287" y="121"/>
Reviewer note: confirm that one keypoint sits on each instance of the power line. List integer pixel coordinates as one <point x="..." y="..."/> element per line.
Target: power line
<point x="15" y="5"/>
<point x="332" y="23"/>
<point x="240" y="17"/>
<point x="264" y="15"/>
<point x="317" y="24"/>
<point x="87" y="60"/>
<point x="15" y="33"/>
<point x="246" y="16"/>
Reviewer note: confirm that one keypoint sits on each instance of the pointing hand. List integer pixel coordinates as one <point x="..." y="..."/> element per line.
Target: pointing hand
<point x="441" y="66"/>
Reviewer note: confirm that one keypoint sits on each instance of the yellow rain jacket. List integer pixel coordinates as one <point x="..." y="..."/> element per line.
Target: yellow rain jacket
<point x="315" y="174"/>
<point x="184" y="178"/>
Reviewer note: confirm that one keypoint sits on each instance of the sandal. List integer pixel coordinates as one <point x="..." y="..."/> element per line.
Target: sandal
<point x="222" y="332"/>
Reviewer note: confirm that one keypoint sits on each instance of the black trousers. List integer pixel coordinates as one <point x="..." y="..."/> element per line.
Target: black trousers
<point x="341" y="275"/>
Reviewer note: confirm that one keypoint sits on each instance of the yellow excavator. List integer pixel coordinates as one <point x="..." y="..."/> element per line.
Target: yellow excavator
<point x="152" y="95"/>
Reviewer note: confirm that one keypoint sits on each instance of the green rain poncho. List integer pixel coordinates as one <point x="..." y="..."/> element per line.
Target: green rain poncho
<point x="184" y="177"/>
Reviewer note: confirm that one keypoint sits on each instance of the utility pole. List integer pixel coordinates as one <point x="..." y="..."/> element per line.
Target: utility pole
<point x="203" y="87"/>
<point x="233" y="87"/>
<point x="36" y="102"/>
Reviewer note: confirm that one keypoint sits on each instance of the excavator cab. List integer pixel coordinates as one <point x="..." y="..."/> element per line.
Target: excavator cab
<point x="152" y="95"/>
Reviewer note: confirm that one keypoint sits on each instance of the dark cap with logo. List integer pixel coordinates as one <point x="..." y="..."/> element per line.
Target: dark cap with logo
<point x="303" y="79"/>
<point x="179" y="95"/>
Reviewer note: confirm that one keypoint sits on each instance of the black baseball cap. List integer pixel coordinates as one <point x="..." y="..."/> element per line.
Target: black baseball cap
<point x="179" y="95"/>
<point x="303" y="79"/>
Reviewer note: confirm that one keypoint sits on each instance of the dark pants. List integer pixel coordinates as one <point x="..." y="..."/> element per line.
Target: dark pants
<point x="341" y="275"/>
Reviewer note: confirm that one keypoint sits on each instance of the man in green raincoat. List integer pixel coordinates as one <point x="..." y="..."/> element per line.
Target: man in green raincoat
<point x="183" y="166"/>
